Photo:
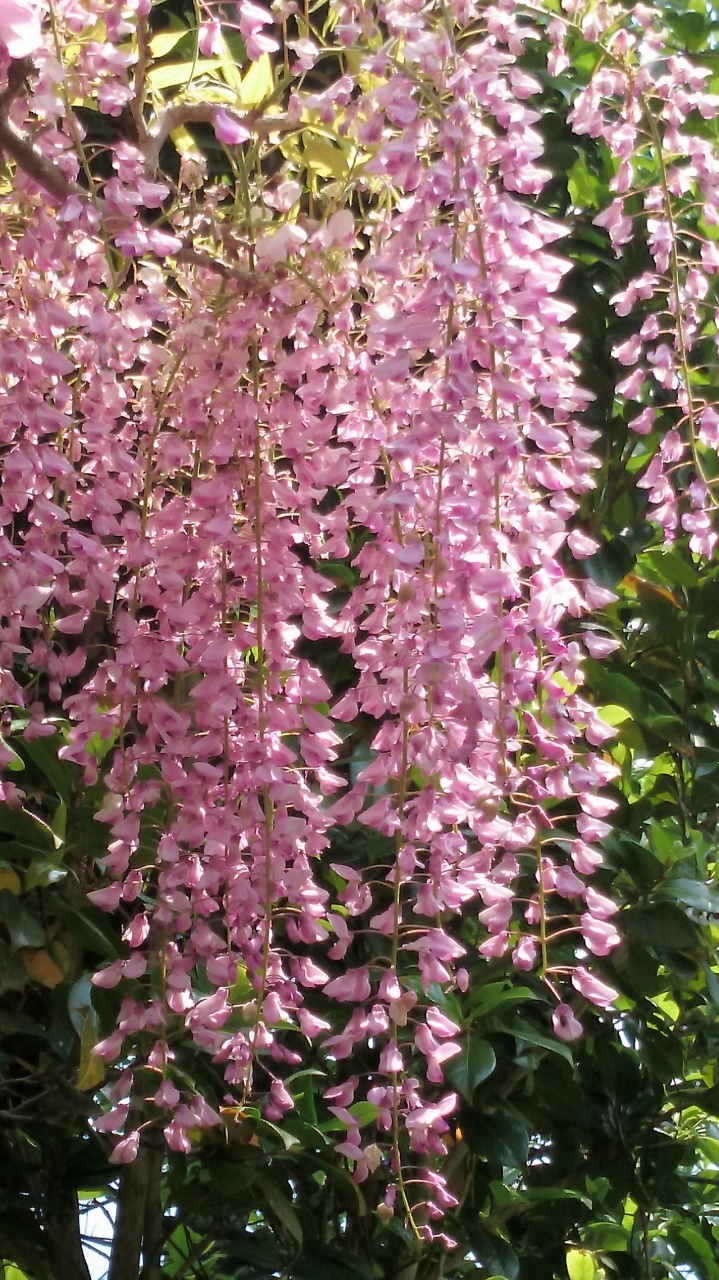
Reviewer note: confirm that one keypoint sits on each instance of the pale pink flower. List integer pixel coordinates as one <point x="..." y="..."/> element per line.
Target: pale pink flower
<point x="252" y="19"/>
<point x="310" y="1025"/>
<point x="167" y="1095"/>
<point x="600" y="936"/>
<point x="20" y="27"/>
<point x="209" y="39"/>
<point x="176" y="1138"/>
<point x="352" y="985"/>
<point x="280" y="1097"/>
<point x="108" y="898"/>
<point x="126" y="1150"/>
<point x="440" y="1025"/>
<point x="565" y="1024"/>
<point x="112" y="1121"/>
<point x="136" y="932"/>
<point x="306" y="54"/>
<point x="592" y="988"/>
<point x="494" y="947"/>
<point x="391" y="1060"/>
<point x="342" y="1094"/>
<point x="211" y="1012"/>
<point x="279" y="245"/>
<point x="599" y="905"/>
<point x="108" y="977"/>
<point x="600" y="646"/>
<point x="229" y="129"/>
<point x="524" y="955"/>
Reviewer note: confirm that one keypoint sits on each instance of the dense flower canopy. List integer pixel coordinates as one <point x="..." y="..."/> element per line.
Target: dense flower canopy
<point x="287" y="372"/>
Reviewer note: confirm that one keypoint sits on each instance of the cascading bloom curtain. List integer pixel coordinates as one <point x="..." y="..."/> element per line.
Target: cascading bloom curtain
<point x="330" y="405"/>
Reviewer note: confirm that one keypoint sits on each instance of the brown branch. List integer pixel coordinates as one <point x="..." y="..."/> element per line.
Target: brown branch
<point x="140" y="78"/>
<point x="250" y="280"/>
<point x="37" y="166"/>
<point x="32" y="162"/>
<point x="51" y="179"/>
<point x="62" y="1229"/>
<point x="131" y="1202"/>
<point x="17" y="78"/>
<point x="153" y="1235"/>
<point x="204" y="113"/>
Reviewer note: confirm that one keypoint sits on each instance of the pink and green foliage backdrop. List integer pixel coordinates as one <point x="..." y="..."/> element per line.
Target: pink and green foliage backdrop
<point x="305" y="593"/>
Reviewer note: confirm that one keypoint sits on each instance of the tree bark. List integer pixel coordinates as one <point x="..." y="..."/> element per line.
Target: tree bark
<point x="153" y="1236"/>
<point x="130" y="1221"/>
<point x="62" y="1225"/>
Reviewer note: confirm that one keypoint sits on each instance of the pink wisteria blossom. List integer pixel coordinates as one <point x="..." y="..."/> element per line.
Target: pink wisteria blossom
<point x="126" y="1150"/>
<point x="20" y="29"/>
<point x="566" y="1025"/>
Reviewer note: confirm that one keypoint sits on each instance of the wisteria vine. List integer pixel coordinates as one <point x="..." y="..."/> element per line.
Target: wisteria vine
<point x="330" y="399"/>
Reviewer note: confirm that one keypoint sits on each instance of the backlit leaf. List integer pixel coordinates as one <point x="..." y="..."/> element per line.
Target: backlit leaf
<point x="257" y="83"/>
<point x="581" y="1265"/>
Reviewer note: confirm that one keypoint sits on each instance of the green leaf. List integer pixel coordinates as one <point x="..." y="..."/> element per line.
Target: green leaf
<point x="339" y="571"/>
<point x="712" y="981"/>
<point x="257" y="82"/>
<point x="485" y="998"/>
<point x="524" y="1031"/>
<point x="611" y="563"/>
<point x="661" y="925"/>
<point x="364" y="1113"/>
<point x="92" y="928"/>
<point x="585" y="190"/>
<point x="475" y="1063"/>
<point x="692" y="893"/>
<point x="79" y="1002"/>
<point x="281" y="1209"/>
<point x="27" y="828"/>
<point x="665" y="840"/>
<point x="611" y="1237"/>
<point x="258" y="1248"/>
<point x="645" y="705"/>
<point x="666" y="567"/>
<point x="302" y="1086"/>
<point x="500" y="1136"/>
<point x="42" y="872"/>
<point x="332" y="1264"/>
<point x="495" y="1255"/>
<point x="581" y="1265"/>
<point x="163" y="42"/>
<point x="691" y="28"/>
<point x="696" y="1250"/>
<point x="229" y="1178"/>
<point x="286" y="1139"/>
<point x="13" y="974"/>
<point x="23" y="928"/>
<point x="346" y="1188"/>
<point x="537" y="1195"/>
<point x="61" y="774"/>
<point x="241" y="989"/>
<point x="58" y="826"/>
<point x="91" y="1071"/>
<point x="174" y="74"/>
<point x="323" y="157"/>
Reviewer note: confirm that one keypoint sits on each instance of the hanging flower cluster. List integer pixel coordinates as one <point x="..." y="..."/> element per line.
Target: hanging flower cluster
<point x="324" y="404"/>
<point x="652" y="107"/>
